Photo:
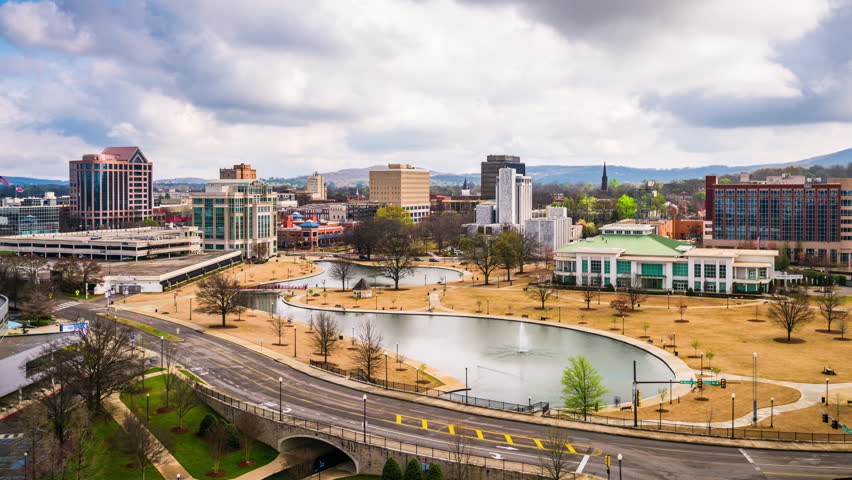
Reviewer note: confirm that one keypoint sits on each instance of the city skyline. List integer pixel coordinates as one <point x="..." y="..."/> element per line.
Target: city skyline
<point x="298" y="88"/>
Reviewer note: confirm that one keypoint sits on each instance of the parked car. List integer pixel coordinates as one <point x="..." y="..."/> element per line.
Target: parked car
<point x="418" y="259"/>
<point x="362" y="257"/>
<point x="434" y="260"/>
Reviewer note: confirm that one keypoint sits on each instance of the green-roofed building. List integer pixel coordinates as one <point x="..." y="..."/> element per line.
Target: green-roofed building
<point x="625" y="255"/>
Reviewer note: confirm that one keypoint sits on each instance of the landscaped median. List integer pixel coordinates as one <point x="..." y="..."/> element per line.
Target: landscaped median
<point x="145" y="328"/>
<point x="192" y="450"/>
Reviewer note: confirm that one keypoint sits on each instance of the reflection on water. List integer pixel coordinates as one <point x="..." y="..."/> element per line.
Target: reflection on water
<point x="418" y="276"/>
<point x="501" y="364"/>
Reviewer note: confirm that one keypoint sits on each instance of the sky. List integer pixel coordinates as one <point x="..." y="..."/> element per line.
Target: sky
<point x="296" y="86"/>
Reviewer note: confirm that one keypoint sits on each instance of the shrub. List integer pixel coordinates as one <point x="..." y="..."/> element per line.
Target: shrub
<point x="434" y="472"/>
<point x="391" y="470"/>
<point x="233" y="435"/>
<point x="413" y="470"/>
<point x="208" y="420"/>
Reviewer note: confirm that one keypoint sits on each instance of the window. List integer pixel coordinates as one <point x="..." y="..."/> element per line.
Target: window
<point x="752" y="274"/>
<point x="696" y="270"/>
<point x="697" y="286"/>
<point x="596" y="266"/>
<point x="710" y="287"/>
<point x="606" y="266"/>
<point x="680" y="270"/>
<point x="762" y="273"/>
<point x="723" y="288"/>
<point x="710" y="270"/>
<point x="654" y="269"/>
<point x="585" y="266"/>
<point x="680" y="284"/>
<point x="623" y="267"/>
<point x="723" y="271"/>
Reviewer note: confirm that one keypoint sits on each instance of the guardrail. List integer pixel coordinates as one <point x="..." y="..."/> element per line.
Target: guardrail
<point x="707" y="431"/>
<point x="458" y="454"/>
<point x="361" y="376"/>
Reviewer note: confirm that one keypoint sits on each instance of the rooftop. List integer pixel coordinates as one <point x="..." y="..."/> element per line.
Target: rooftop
<point x="650" y="244"/>
<point x="117" y="235"/>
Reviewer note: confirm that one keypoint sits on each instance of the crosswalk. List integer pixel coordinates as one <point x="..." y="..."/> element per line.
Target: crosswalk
<point x="10" y="436"/>
<point x="65" y="305"/>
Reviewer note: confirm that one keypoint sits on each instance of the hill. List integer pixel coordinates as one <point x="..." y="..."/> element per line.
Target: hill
<point x="34" y="181"/>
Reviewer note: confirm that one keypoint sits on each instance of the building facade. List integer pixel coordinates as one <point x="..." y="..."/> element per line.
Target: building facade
<point x="237" y="215"/>
<point x="807" y="219"/>
<point x="554" y="230"/>
<point x="112" y="188"/>
<point x="239" y="172"/>
<point x="25" y="216"/>
<point x="514" y="197"/>
<point x="402" y="185"/>
<point x="489" y="170"/>
<point x="630" y="255"/>
<point x="315" y="186"/>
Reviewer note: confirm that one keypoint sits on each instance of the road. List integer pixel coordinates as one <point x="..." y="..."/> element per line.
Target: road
<point x="254" y="377"/>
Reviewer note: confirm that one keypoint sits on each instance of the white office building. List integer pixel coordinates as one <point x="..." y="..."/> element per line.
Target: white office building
<point x="514" y="197"/>
<point x="554" y="229"/>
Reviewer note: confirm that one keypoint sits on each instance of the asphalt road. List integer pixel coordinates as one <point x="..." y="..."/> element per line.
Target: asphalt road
<point x="254" y="377"/>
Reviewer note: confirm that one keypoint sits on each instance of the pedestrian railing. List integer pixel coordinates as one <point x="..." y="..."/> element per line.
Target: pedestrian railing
<point x="458" y="397"/>
<point x="458" y="452"/>
<point x="707" y="430"/>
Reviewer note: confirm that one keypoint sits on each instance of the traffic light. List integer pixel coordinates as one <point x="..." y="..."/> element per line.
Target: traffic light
<point x="638" y="398"/>
<point x="824" y="418"/>
<point x="834" y="424"/>
<point x="607" y="460"/>
<point x="724" y="383"/>
<point x="700" y="383"/>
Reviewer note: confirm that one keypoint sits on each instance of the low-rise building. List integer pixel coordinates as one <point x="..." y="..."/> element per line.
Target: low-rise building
<point x="24" y="216"/>
<point x="307" y="234"/>
<point x="631" y="255"/>
<point x="554" y="230"/>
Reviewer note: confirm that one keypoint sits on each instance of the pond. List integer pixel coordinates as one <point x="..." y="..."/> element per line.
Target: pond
<point x="418" y="276"/>
<point x="505" y="360"/>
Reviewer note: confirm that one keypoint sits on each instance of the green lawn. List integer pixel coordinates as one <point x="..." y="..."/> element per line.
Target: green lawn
<point x="110" y="460"/>
<point x="191" y="375"/>
<point x="154" y="370"/>
<point x="361" y="477"/>
<point x="145" y="328"/>
<point x="189" y="449"/>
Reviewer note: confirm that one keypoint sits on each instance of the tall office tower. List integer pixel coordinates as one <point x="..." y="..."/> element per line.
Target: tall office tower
<point x="237" y="214"/>
<point x="403" y="185"/>
<point x="316" y="187"/>
<point x="489" y="169"/>
<point x="111" y="188"/>
<point x="514" y="197"/>
<point x="239" y="172"/>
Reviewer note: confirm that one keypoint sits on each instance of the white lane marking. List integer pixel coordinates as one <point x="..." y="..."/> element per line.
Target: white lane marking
<point x="506" y="448"/>
<point x="582" y="464"/>
<point x="747" y="457"/>
<point x="496" y="456"/>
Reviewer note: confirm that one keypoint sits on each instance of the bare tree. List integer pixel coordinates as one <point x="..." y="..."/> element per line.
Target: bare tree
<point x="83" y="447"/>
<point x="790" y="312"/>
<point x="620" y="305"/>
<point x="37" y="305"/>
<point x="35" y="439"/>
<point x="368" y="350"/>
<point x="555" y="458"/>
<point x="480" y="251"/>
<point x="843" y="327"/>
<point x="217" y="295"/>
<point x="144" y="447"/>
<point x="250" y="427"/>
<point x="57" y="407"/>
<point x="103" y="362"/>
<point x="216" y="437"/>
<point x="185" y="400"/>
<point x="397" y="256"/>
<point x="170" y="359"/>
<point x="541" y="291"/>
<point x="90" y="273"/>
<point x="342" y="271"/>
<point x="529" y="250"/>
<point x="634" y="294"/>
<point x="460" y="456"/>
<point x="588" y="292"/>
<point x="325" y="340"/>
<point x="279" y="326"/>
<point x="830" y="306"/>
<point x="32" y="265"/>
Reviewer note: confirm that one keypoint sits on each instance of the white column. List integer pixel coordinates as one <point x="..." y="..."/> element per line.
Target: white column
<point x="668" y="272"/>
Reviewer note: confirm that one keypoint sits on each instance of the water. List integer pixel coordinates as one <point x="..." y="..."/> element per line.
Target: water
<point x="505" y="360"/>
<point x="420" y="276"/>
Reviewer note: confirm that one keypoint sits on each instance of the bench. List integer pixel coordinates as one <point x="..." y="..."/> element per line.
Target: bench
<point x="626" y="409"/>
<point x="829" y="371"/>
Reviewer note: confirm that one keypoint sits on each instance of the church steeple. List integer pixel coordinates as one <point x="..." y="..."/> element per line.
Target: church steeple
<point x="604" y="180"/>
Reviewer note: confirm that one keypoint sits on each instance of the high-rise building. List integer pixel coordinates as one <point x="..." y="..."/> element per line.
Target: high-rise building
<point x="111" y="188"/>
<point x="239" y="172"/>
<point x="402" y="185"/>
<point x="514" y="197"/>
<point x="489" y="169"/>
<point x="237" y="214"/>
<point x="315" y="186"/>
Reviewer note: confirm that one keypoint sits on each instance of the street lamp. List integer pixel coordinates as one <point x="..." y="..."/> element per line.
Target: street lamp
<point x="771" y="412"/>
<point x="465" y="385"/>
<point x="733" y="397"/>
<point x="754" y="387"/>
<point x="280" y="401"/>
<point x="190" y="308"/>
<point x="365" y="418"/>
<point x="294" y="341"/>
<point x="26" y="466"/>
<point x="148" y="408"/>
<point x="261" y="344"/>
<point x="162" y="349"/>
<point x="178" y="476"/>
<point x="619" y="466"/>
<point x="826" y="392"/>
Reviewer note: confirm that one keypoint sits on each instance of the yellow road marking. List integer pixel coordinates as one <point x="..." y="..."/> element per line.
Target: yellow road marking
<point x="800" y="475"/>
<point x="570" y="448"/>
<point x="451" y="428"/>
<point x="509" y="439"/>
<point x="425" y="424"/>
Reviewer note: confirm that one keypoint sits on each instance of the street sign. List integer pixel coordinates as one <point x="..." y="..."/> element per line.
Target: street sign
<point x="132" y="336"/>
<point x="706" y="382"/>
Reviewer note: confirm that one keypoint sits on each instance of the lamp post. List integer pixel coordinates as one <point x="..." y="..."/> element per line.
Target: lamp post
<point x="669" y="300"/>
<point x="294" y="341"/>
<point x="148" y="408"/>
<point x="280" y="401"/>
<point x="771" y="412"/>
<point x="386" y="371"/>
<point x="702" y="363"/>
<point x="26" y="466"/>
<point x="619" y="466"/>
<point x="488" y="309"/>
<point x="162" y="349"/>
<point x="190" y="308"/>
<point x="365" y="418"/>
<point x="826" y="392"/>
<point x="465" y="385"/>
<point x="754" y="388"/>
<point x="733" y="397"/>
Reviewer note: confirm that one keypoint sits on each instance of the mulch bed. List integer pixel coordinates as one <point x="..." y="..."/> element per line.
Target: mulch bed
<point x="132" y="465"/>
<point x="839" y="339"/>
<point x="756" y="320"/>
<point x="179" y="430"/>
<point x="243" y="463"/>
<point x="702" y="399"/>
<point x="221" y="327"/>
<point x="822" y="330"/>
<point x="401" y="369"/>
<point x="164" y="409"/>
<point x="792" y="340"/>
<point x="212" y="474"/>
<point x="681" y="321"/>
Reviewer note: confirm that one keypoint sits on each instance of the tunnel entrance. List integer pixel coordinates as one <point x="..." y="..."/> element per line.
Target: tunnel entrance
<point x="308" y="456"/>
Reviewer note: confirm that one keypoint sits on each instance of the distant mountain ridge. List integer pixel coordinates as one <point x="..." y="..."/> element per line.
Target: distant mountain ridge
<point x="34" y="181"/>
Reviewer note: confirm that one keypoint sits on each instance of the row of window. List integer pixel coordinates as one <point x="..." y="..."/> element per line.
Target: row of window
<point x="787" y="191"/>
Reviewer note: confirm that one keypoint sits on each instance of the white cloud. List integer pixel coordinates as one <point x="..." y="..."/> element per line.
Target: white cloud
<point x="42" y="25"/>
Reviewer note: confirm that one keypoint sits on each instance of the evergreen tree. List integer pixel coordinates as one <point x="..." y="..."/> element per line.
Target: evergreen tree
<point x="413" y="470"/>
<point x="435" y="472"/>
<point x="391" y="470"/>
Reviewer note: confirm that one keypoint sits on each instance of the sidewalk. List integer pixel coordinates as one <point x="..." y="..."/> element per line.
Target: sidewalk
<point x="168" y="466"/>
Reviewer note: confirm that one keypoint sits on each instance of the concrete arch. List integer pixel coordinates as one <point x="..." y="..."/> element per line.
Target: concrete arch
<point x="319" y="445"/>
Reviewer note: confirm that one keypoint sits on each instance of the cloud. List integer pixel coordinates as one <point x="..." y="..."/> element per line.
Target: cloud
<point x="42" y="25"/>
